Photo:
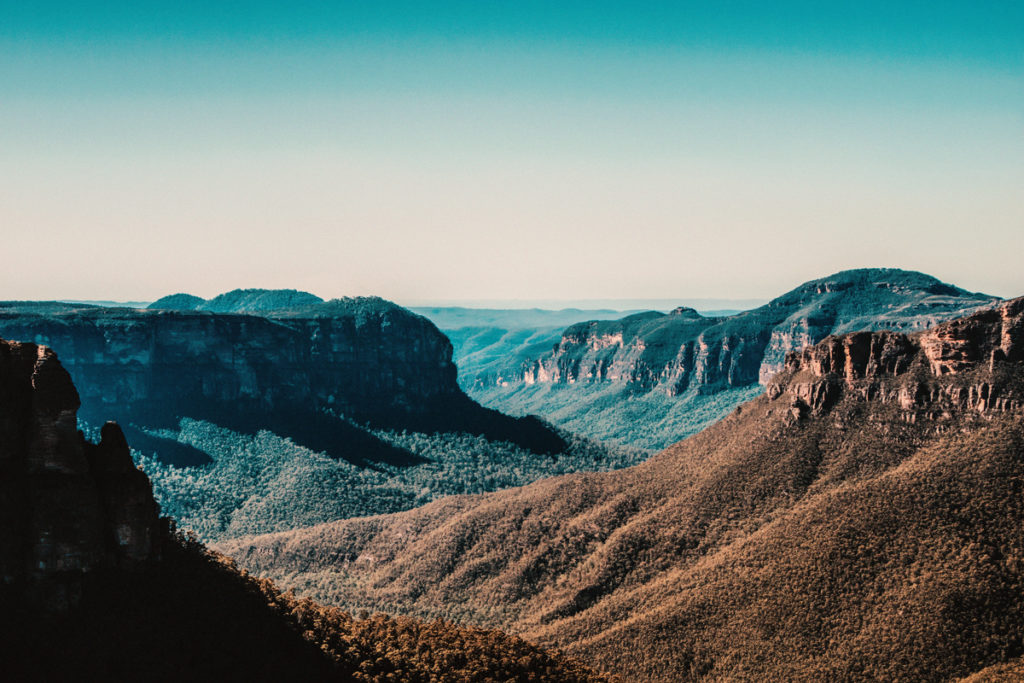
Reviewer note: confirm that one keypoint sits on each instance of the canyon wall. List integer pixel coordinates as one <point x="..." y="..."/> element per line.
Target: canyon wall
<point x="682" y="350"/>
<point x="363" y="357"/>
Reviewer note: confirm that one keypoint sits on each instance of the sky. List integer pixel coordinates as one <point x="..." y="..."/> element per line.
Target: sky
<point x="525" y="150"/>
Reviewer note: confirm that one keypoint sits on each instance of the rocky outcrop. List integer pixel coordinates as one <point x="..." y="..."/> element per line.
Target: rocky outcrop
<point x="69" y="506"/>
<point x="969" y="364"/>
<point x="681" y="351"/>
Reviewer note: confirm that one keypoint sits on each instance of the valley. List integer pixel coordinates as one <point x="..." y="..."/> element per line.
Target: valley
<point x="836" y="481"/>
<point x="876" y="483"/>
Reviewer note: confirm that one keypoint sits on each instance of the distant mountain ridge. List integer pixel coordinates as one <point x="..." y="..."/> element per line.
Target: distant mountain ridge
<point x="859" y="521"/>
<point x="367" y="358"/>
<point x="239" y="301"/>
<point x="662" y="368"/>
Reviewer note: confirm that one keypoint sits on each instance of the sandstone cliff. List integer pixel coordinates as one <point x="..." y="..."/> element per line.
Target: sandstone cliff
<point x="651" y="379"/>
<point x="69" y="506"/>
<point x="961" y="365"/>
<point x="683" y="350"/>
<point x="362" y="357"/>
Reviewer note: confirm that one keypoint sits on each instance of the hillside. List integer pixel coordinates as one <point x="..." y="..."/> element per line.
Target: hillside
<point x="253" y="423"/>
<point x="486" y="340"/>
<point x="650" y="379"/>
<point x="96" y="587"/>
<point x="860" y="520"/>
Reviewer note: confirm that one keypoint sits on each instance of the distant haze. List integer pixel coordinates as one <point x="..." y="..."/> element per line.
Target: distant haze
<point x="529" y="151"/>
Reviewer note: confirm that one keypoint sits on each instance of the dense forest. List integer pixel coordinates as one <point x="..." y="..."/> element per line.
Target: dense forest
<point x="193" y="615"/>
<point x="258" y="483"/>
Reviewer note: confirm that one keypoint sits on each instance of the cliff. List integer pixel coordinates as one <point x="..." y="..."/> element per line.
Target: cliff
<point x="860" y="520"/>
<point x="961" y="365"/>
<point x="69" y="507"/>
<point x="365" y="358"/>
<point x="283" y="370"/>
<point x="94" y="587"/>
<point x="651" y="379"/>
<point x="681" y="350"/>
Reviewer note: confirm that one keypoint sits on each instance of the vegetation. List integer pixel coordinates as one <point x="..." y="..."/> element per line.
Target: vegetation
<point x="647" y="410"/>
<point x="610" y="413"/>
<point x="193" y="616"/>
<point x="262" y="482"/>
<point x="238" y="301"/>
<point x="872" y="542"/>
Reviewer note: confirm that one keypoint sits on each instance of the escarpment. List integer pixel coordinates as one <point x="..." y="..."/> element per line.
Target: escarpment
<point x="69" y="506"/>
<point x="971" y="364"/>
<point x="365" y="358"/>
<point x="652" y="379"/>
<point x="682" y="350"/>
<point x="313" y="372"/>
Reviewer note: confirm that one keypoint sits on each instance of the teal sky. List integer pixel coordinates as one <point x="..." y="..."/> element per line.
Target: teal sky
<point x="486" y="150"/>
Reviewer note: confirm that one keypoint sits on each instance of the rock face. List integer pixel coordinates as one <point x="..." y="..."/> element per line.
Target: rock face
<point x="68" y="506"/>
<point x="959" y="365"/>
<point x="680" y="351"/>
<point x="367" y="358"/>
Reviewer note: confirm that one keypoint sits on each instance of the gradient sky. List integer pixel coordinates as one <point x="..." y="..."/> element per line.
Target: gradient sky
<point x="486" y="150"/>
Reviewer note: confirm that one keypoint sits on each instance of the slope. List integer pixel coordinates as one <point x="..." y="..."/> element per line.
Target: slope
<point x="650" y="379"/>
<point x="861" y="520"/>
<point x="313" y="412"/>
<point x="96" y="587"/>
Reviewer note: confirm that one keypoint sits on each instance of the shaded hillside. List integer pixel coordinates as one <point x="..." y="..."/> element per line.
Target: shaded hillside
<point x="288" y="371"/>
<point x="368" y="359"/>
<point x="861" y="520"/>
<point x="95" y="587"/>
<point x="194" y="616"/>
<point x="650" y="379"/>
<point x="250" y="424"/>
<point x="258" y="483"/>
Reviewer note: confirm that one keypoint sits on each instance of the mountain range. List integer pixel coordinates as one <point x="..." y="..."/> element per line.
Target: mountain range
<point x="852" y="512"/>
<point x="651" y="379"/>
<point x="859" y="520"/>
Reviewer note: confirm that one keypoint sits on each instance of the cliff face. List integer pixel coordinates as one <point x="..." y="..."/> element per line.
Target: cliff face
<point x="964" y="364"/>
<point x="366" y="358"/>
<point x="68" y="506"/>
<point x="682" y="350"/>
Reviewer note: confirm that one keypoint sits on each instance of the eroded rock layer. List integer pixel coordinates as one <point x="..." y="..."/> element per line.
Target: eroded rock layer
<point x="683" y="350"/>
<point x="366" y="358"/>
